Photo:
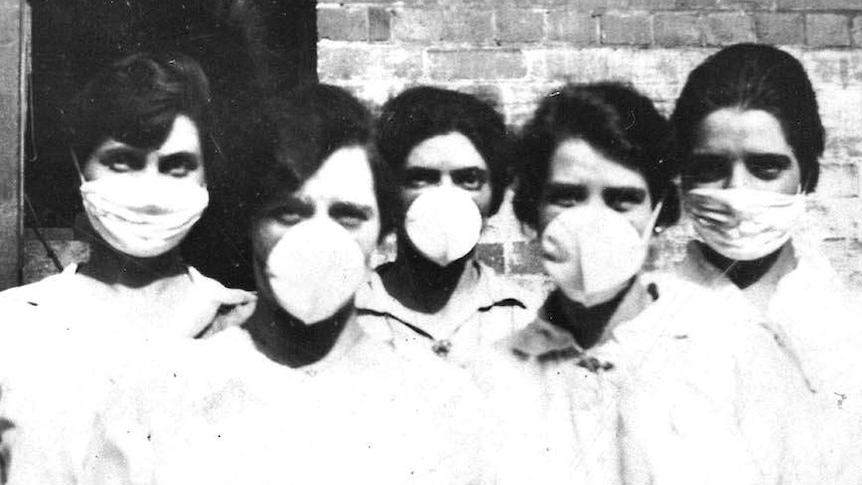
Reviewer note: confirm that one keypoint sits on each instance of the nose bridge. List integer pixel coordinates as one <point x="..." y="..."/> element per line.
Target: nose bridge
<point x="446" y="179"/>
<point x="594" y="200"/>
<point x="739" y="175"/>
<point x="151" y="164"/>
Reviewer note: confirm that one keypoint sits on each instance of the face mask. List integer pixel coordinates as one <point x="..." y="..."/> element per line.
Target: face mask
<point x="143" y="218"/>
<point x="315" y="269"/>
<point x="591" y="253"/>
<point x="744" y="224"/>
<point x="443" y="224"/>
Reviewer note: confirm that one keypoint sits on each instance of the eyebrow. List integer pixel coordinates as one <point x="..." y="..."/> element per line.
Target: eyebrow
<point x="293" y="204"/>
<point x="784" y="160"/>
<point x="351" y="208"/>
<point x="107" y="154"/>
<point x="557" y="188"/>
<point x="421" y="171"/>
<point x="181" y="157"/>
<point x="633" y="194"/>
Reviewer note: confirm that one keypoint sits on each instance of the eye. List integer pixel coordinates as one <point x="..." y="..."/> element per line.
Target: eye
<point x="288" y="217"/>
<point x="767" y="167"/>
<point x="121" y="161"/>
<point x="624" y="199"/>
<point x="350" y="216"/>
<point x="470" y="178"/>
<point x="705" y="169"/>
<point x="290" y="212"/>
<point x="565" y="196"/>
<point x="417" y="178"/>
<point x="178" y="164"/>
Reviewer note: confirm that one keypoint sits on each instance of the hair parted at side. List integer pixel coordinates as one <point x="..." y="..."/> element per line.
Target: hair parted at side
<point x="306" y="126"/>
<point x="754" y="77"/>
<point x="135" y="101"/>
<point x="424" y="112"/>
<point x="615" y="120"/>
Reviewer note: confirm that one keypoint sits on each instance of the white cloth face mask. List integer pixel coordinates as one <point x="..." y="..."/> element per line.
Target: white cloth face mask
<point x="744" y="224"/>
<point x="315" y="269"/>
<point x="143" y="217"/>
<point x="591" y="253"/>
<point x="444" y="224"/>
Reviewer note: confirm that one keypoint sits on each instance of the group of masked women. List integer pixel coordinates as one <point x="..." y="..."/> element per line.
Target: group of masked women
<point x="739" y="365"/>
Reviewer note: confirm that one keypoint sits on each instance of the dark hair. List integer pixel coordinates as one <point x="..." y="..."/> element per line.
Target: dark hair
<point x="614" y="119"/>
<point x="307" y="126"/>
<point x="135" y="101"/>
<point x="754" y="77"/>
<point x="424" y="112"/>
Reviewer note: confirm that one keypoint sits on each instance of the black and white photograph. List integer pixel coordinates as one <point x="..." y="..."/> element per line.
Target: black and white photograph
<point x="430" y="242"/>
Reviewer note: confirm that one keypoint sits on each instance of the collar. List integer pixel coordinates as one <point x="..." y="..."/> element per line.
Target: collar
<point x="492" y="290"/>
<point x="544" y="343"/>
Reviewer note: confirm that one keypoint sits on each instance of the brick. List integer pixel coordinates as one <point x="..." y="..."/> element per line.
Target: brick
<point x="373" y="61"/>
<point x="828" y="30"/>
<point x="589" y="6"/>
<point x="728" y="28"/>
<point x="414" y="25"/>
<point x="819" y="5"/>
<point x="525" y="258"/>
<point x="573" y="27"/>
<point x="625" y="29"/>
<point x="652" y="5"/>
<point x="696" y="4"/>
<point x="838" y="180"/>
<point x="520" y="25"/>
<point x="780" y="28"/>
<point x="466" y="25"/>
<point x="476" y="64"/>
<point x="856" y="31"/>
<point x="487" y="93"/>
<point x="492" y="255"/>
<point x="378" y="24"/>
<point x="342" y="24"/>
<point x="677" y="30"/>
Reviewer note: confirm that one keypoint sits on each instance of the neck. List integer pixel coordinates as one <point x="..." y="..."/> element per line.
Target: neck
<point x="593" y="325"/>
<point x="746" y="273"/>
<point x="114" y="268"/>
<point x="288" y="341"/>
<point x="421" y="284"/>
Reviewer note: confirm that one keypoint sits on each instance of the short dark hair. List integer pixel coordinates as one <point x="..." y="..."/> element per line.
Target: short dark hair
<point x="424" y="112"/>
<point x="135" y="101"/>
<point x="754" y="77"/>
<point x="306" y="126"/>
<point x="614" y="119"/>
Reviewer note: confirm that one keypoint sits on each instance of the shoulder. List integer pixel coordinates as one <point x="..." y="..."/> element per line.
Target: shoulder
<point x="43" y="291"/>
<point x="504" y="291"/>
<point x="232" y="306"/>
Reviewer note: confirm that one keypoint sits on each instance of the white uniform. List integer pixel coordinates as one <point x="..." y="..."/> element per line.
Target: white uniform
<point x="668" y="399"/>
<point x="220" y="412"/>
<point x="498" y="309"/>
<point x="61" y="351"/>
<point x="815" y="323"/>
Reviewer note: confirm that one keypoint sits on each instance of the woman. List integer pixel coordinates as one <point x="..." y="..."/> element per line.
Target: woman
<point x="450" y="154"/>
<point x="299" y="393"/>
<point x="579" y="393"/>
<point x="750" y="137"/>
<point x="138" y="144"/>
<point x="139" y="133"/>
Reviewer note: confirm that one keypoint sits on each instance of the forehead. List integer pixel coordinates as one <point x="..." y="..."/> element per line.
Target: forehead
<point x="732" y="129"/>
<point x="344" y="176"/>
<point x="445" y="152"/>
<point x="183" y="137"/>
<point x="575" y="161"/>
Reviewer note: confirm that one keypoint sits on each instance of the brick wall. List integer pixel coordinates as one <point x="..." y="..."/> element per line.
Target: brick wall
<point x="511" y="52"/>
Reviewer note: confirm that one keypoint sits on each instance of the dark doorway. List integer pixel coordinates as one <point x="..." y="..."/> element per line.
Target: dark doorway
<point x="247" y="48"/>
